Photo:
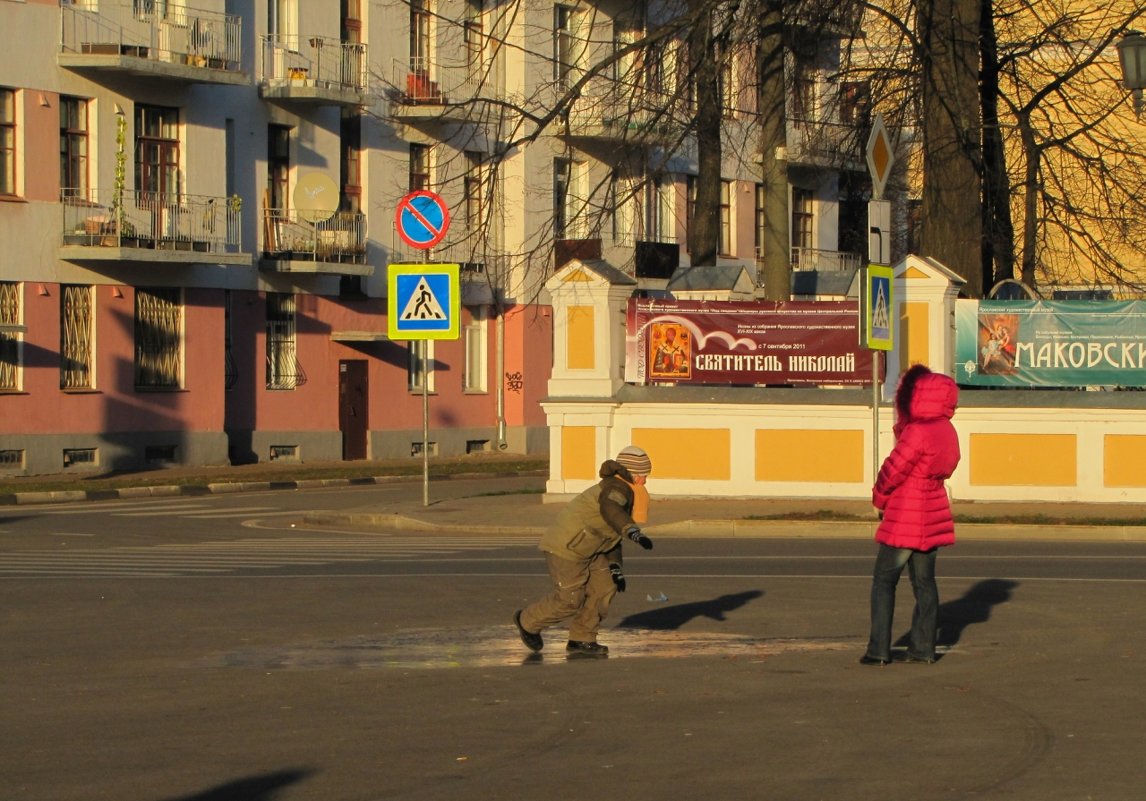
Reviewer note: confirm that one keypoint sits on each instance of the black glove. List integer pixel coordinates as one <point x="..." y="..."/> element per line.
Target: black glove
<point x="634" y="533"/>
<point x="618" y="577"/>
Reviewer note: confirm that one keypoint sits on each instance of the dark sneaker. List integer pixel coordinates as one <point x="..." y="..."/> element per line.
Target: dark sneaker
<point x="532" y="641"/>
<point x="873" y="660"/>
<point x="579" y="648"/>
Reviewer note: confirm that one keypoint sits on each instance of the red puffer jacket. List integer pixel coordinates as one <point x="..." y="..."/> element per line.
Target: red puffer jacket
<point x="909" y="489"/>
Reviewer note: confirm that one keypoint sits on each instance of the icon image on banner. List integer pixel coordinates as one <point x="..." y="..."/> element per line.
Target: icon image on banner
<point x="423" y="304"/>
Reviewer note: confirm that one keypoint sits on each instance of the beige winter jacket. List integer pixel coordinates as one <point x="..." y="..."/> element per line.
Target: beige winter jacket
<point x="594" y="522"/>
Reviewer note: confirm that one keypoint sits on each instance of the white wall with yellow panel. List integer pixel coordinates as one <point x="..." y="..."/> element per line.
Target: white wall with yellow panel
<point x="753" y="442"/>
<point x="589" y="301"/>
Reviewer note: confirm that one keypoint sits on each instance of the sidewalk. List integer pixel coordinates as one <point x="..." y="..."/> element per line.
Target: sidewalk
<point x="528" y="515"/>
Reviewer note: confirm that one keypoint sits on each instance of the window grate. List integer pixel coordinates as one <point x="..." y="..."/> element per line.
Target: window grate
<point x="9" y="341"/>
<point x="76" y="338"/>
<point x="416" y="449"/>
<point x="284" y="453"/>
<point x="11" y="460"/>
<point x="158" y="331"/>
<point x="80" y="457"/>
<point x="161" y="453"/>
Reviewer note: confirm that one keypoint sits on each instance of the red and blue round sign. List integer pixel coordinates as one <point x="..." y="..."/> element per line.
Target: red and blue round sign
<point x="422" y="219"/>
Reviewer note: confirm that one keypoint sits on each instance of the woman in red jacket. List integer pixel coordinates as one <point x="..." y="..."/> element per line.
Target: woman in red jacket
<point x="915" y="511"/>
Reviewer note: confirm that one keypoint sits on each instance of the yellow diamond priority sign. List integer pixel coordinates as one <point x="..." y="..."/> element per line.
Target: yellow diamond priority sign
<point x="880" y="156"/>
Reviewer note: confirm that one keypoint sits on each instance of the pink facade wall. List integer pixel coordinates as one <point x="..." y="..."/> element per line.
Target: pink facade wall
<point x="115" y="405"/>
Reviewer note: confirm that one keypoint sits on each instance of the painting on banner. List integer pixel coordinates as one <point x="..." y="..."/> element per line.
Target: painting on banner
<point x="1042" y="343"/>
<point x="775" y="343"/>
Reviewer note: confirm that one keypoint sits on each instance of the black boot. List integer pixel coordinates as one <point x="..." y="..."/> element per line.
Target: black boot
<point x="579" y="648"/>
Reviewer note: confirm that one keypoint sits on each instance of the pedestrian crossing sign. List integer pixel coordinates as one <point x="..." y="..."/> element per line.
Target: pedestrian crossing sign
<point x="878" y="307"/>
<point x="423" y="301"/>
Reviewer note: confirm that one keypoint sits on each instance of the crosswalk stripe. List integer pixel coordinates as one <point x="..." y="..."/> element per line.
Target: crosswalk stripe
<point x="169" y="559"/>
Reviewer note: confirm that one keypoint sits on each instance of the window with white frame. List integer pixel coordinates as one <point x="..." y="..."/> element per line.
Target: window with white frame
<point x="282" y="21"/>
<point x="726" y="194"/>
<point x="74" y="147"/>
<point x="689" y="206"/>
<point x="803" y="216"/>
<point x="7" y="141"/>
<point x="282" y="346"/>
<point x="474" y="36"/>
<point x="419" y="167"/>
<point x="659" y="196"/>
<point x="761" y="227"/>
<point x="76" y="362"/>
<point x="158" y="338"/>
<point x="563" y="55"/>
<point x="420" y="368"/>
<point x="621" y="204"/>
<point x="11" y="340"/>
<point x="562" y="169"/>
<point x="475" y="374"/>
<point x="420" y="37"/>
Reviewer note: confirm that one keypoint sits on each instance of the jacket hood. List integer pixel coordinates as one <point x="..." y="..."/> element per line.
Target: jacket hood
<point x="934" y="395"/>
<point x="611" y="467"/>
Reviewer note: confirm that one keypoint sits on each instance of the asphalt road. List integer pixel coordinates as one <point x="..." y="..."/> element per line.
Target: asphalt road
<point x="206" y="649"/>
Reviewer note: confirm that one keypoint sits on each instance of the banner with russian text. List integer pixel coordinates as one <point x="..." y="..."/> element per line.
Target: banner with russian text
<point x="745" y="343"/>
<point x="1042" y="343"/>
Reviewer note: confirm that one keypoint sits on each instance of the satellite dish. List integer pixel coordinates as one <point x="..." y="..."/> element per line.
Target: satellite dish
<point x="1010" y="289"/>
<point x="315" y="197"/>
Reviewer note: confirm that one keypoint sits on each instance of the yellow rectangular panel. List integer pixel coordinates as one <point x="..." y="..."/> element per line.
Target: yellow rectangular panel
<point x="1024" y="460"/>
<point x="809" y="455"/>
<point x="702" y="454"/>
<point x="914" y="328"/>
<point x="579" y="452"/>
<point x="1124" y="460"/>
<point x="580" y="345"/>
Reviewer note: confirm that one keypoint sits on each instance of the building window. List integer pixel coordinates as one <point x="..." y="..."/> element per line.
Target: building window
<point x="350" y="164"/>
<point x="561" y="176"/>
<point x="278" y="166"/>
<point x="76" y="365"/>
<point x="726" y="218"/>
<point x="158" y="338"/>
<point x="476" y="367"/>
<point x="282" y="20"/>
<point x="474" y="36"/>
<point x="804" y="94"/>
<point x="621" y="205"/>
<point x="689" y="206"/>
<point x="282" y="352"/>
<point x="658" y="209"/>
<point x="420" y="368"/>
<point x="474" y="191"/>
<point x="802" y="217"/>
<point x="420" y="37"/>
<point x="157" y="151"/>
<point x="419" y="167"/>
<point x="562" y="45"/>
<point x="855" y="102"/>
<point x="230" y="369"/>
<point x="74" y="147"/>
<point x="761" y="227"/>
<point x="10" y="337"/>
<point x="726" y="86"/>
<point x="7" y="141"/>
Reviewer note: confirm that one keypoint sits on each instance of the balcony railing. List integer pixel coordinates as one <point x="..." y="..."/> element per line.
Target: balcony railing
<point x="313" y="61"/>
<point x="422" y="82"/>
<point x="162" y="32"/>
<point x="829" y="261"/>
<point x="825" y="143"/>
<point x="151" y="220"/>
<point x="619" y="110"/>
<point x="289" y="236"/>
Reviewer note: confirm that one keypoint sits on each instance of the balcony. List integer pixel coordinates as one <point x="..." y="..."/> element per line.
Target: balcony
<point x="826" y="261"/>
<point x="424" y="90"/>
<point x="292" y="243"/>
<point x="147" y="39"/>
<point x="656" y="259"/>
<point x="151" y="227"/>
<point x="313" y="69"/>
<point x="832" y="145"/>
<point x="611" y="112"/>
<point x="565" y="250"/>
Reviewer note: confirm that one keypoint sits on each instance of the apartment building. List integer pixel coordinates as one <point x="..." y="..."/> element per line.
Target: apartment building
<point x="200" y="275"/>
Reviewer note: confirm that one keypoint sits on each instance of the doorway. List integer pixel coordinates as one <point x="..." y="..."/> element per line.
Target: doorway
<point x="353" y="393"/>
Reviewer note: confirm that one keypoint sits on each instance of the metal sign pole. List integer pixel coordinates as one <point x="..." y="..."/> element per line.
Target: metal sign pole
<point x="426" y="411"/>
<point x="875" y="356"/>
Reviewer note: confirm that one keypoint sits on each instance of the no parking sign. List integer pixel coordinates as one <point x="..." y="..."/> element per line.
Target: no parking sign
<point x="422" y="219"/>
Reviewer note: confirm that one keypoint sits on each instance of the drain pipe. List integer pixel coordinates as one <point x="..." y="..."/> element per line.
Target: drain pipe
<point x="500" y="367"/>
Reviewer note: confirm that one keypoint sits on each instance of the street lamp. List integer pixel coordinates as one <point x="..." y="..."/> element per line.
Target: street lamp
<point x="1132" y="54"/>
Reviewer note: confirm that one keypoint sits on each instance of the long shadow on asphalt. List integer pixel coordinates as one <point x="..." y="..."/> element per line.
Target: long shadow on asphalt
<point x="670" y="618"/>
<point x="974" y="607"/>
<point x="255" y="788"/>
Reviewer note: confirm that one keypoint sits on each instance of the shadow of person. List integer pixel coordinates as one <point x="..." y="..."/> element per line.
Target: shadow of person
<point x="254" y="788"/>
<point x="974" y="607"/>
<point x="673" y="617"/>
